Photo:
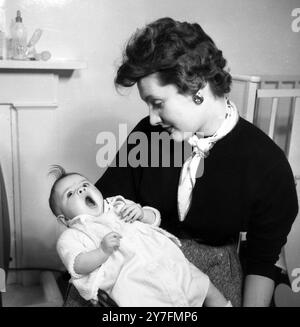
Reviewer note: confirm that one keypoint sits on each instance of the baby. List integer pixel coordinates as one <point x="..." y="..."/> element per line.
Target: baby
<point x="115" y="245"/>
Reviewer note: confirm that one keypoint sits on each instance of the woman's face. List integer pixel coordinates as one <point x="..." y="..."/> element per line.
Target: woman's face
<point x="175" y="112"/>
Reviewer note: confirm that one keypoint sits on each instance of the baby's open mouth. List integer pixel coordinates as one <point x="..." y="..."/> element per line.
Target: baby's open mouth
<point x="90" y="202"/>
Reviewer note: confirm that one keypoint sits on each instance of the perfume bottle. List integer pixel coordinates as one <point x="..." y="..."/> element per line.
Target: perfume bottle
<point x="19" y="38"/>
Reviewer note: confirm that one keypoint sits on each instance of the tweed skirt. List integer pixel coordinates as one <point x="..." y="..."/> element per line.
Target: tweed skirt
<point x="221" y="264"/>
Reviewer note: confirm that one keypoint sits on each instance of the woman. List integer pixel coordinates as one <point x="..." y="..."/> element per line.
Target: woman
<point x="245" y="182"/>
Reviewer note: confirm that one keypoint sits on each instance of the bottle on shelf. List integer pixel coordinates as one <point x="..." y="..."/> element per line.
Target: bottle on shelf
<point x="19" y="38"/>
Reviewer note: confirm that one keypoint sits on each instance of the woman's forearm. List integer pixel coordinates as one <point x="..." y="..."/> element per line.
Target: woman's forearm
<point x="258" y="291"/>
<point x="87" y="262"/>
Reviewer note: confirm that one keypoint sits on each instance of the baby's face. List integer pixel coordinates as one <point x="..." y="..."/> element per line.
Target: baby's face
<point x="75" y="195"/>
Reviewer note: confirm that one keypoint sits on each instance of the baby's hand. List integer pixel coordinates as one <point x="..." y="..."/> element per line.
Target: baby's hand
<point x="132" y="212"/>
<point x="110" y="242"/>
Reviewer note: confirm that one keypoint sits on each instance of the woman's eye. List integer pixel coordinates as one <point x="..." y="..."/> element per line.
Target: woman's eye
<point x="69" y="194"/>
<point x="157" y="104"/>
<point x="85" y="184"/>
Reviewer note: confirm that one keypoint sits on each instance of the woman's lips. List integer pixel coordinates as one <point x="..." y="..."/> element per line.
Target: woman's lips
<point x="168" y="128"/>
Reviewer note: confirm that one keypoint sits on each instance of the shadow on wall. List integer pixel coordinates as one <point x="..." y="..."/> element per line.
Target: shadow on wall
<point x="90" y="137"/>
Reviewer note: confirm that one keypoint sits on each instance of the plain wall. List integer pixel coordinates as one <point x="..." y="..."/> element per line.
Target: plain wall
<point x="256" y="38"/>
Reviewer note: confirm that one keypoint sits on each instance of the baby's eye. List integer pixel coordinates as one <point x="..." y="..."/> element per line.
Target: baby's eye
<point x="85" y="184"/>
<point x="69" y="194"/>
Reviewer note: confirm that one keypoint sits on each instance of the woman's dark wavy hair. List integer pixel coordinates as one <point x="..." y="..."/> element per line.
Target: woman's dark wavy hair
<point x="182" y="53"/>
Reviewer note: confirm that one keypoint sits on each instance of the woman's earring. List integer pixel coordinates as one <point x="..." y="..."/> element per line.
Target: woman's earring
<point x="198" y="99"/>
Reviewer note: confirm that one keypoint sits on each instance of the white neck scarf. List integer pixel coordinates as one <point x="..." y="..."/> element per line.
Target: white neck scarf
<point x="201" y="147"/>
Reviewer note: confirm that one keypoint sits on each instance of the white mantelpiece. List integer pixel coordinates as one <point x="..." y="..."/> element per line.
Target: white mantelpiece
<point x="32" y="83"/>
<point x="48" y="65"/>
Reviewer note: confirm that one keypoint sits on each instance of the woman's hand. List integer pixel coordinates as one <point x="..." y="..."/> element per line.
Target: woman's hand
<point x="110" y="242"/>
<point x="132" y="212"/>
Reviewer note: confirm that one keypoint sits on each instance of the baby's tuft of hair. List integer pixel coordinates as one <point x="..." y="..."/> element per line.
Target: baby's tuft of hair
<point x="57" y="171"/>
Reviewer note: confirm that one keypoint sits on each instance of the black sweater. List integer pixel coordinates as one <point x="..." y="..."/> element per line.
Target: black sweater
<point x="247" y="185"/>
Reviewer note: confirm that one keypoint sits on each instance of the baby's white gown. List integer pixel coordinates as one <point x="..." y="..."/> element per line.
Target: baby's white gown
<point x="148" y="270"/>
